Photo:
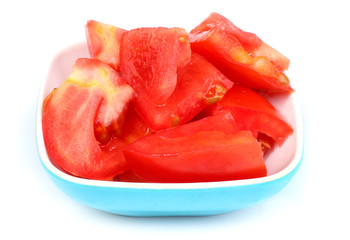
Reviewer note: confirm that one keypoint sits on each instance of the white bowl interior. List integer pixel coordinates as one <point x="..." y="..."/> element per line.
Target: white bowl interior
<point x="279" y="162"/>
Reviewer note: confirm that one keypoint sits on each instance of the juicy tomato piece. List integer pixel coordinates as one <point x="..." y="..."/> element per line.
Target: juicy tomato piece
<point x="93" y="94"/>
<point x="134" y="127"/>
<point x="113" y="152"/>
<point x="266" y="142"/>
<point x="103" y="42"/>
<point x="210" y="149"/>
<point x="241" y="56"/>
<point x="117" y="94"/>
<point x="253" y="112"/>
<point x="222" y="121"/>
<point x="199" y="85"/>
<point x="197" y="157"/>
<point x="150" y="58"/>
<point x="251" y="43"/>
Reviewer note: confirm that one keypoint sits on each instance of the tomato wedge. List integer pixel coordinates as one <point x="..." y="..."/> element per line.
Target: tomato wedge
<point x="94" y="92"/>
<point x="241" y="56"/>
<point x="251" y="43"/>
<point x="222" y="121"/>
<point x="104" y="42"/>
<point x="150" y="58"/>
<point x="184" y="155"/>
<point x="199" y="85"/>
<point x="134" y="127"/>
<point x="253" y="112"/>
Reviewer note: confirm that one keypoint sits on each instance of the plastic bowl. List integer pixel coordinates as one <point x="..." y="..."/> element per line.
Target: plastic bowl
<point x="172" y="199"/>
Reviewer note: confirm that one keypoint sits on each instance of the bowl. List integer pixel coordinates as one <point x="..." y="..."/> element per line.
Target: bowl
<point x="172" y="199"/>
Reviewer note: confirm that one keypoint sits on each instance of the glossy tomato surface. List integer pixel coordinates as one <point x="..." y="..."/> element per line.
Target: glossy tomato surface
<point x="197" y="152"/>
<point x="92" y="93"/>
<point x="241" y="56"/>
<point x="150" y="58"/>
<point x="255" y="113"/>
<point x="104" y="42"/>
<point x="199" y="84"/>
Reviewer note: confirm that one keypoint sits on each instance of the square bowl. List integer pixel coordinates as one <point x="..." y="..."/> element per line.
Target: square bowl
<point x="172" y="199"/>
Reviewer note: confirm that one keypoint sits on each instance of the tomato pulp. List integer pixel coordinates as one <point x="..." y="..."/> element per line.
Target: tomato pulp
<point x="197" y="152"/>
<point x="94" y="94"/>
<point x="241" y="56"/>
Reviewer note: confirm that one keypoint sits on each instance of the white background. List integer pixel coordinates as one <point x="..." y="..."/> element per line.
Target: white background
<point x="313" y="34"/>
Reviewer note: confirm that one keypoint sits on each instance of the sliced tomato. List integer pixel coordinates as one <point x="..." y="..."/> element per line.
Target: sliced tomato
<point x="200" y="157"/>
<point x="199" y="85"/>
<point x="199" y="151"/>
<point x="241" y="56"/>
<point x="251" y="43"/>
<point x="134" y="127"/>
<point x="94" y="94"/>
<point x="92" y="74"/>
<point x="222" y="121"/>
<point x="150" y="58"/>
<point x="104" y="42"/>
<point x="267" y="143"/>
<point x="253" y="112"/>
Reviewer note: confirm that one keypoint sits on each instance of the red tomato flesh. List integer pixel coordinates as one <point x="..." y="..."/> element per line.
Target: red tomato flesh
<point x="241" y="56"/>
<point x="93" y="92"/>
<point x="267" y="143"/>
<point x="215" y="153"/>
<point x="199" y="85"/>
<point x="104" y="42"/>
<point x="150" y="58"/>
<point x="251" y="43"/>
<point x="253" y="112"/>
<point x="201" y="157"/>
<point x="223" y="122"/>
<point x="134" y="127"/>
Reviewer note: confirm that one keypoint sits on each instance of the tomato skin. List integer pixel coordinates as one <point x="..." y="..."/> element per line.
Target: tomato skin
<point x="200" y="84"/>
<point x="198" y="151"/>
<point x="241" y="56"/>
<point x="222" y="121"/>
<point x="253" y="112"/>
<point x="267" y="143"/>
<point x="134" y="129"/>
<point x="104" y="42"/>
<point x="150" y="58"/>
<point x="251" y="43"/>
<point x="201" y="157"/>
<point x="69" y="115"/>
